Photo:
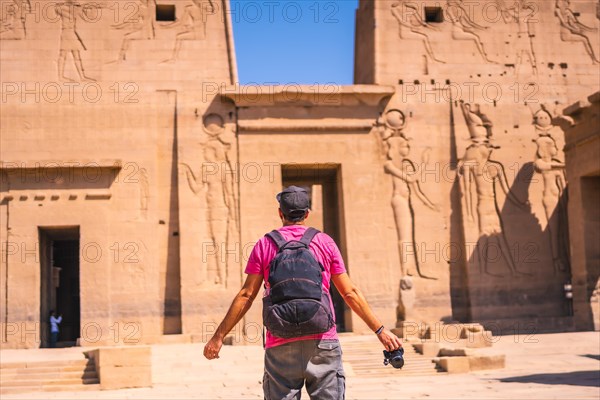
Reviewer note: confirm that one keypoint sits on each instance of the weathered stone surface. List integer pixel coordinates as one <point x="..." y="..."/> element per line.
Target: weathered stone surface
<point x="477" y="363"/>
<point x="470" y="328"/>
<point x="454" y="365"/>
<point x="123" y="367"/>
<point x="455" y="352"/>
<point x="427" y="349"/>
<point x="136" y="142"/>
<point x="479" y="339"/>
<point x="582" y="152"/>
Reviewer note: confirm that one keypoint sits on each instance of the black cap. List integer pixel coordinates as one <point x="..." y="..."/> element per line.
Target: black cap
<point x="294" y="201"/>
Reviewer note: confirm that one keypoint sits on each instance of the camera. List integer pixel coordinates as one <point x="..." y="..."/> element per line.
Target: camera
<point x="394" y="357"/>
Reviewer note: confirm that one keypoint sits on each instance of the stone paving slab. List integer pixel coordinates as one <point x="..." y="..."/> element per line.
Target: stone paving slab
<point x="544" y="366"/>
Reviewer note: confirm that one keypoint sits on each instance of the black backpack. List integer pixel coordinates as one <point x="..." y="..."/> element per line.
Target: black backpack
<point x="296" y="305"/>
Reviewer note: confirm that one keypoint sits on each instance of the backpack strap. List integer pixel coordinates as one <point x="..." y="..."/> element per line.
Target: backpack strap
<point x="308" y="236"/>
<point x="277" y="237"/>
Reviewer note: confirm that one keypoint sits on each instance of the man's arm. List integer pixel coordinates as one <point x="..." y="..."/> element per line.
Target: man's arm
<point x="240" y="305"/>
<point x="357" y="302"/>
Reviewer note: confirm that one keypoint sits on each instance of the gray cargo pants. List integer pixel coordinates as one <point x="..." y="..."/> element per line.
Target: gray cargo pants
<point x="316" y="362"/>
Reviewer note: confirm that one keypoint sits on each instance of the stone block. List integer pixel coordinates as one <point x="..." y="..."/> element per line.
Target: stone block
<point x="478" y="363"/>
<point x="123" y="367"/>
<point x="409" y="330"/>
<point x="454" y="365"/>
<point x="470" y="328"/>
<point x="452" y="352"/>
<point x="427" y="349"/>
<point x="125" y="377"/>
<point x="125" y="357"/>
<point x="479" y="339"/>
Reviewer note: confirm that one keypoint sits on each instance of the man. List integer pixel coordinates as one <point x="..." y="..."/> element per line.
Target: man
<point x="54" y="322"/>
<point x="316" y="359"/>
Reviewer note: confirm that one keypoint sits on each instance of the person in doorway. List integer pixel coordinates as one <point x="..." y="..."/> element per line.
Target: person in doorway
<point x="291" y="360"/>
<point x="54" y="322"/>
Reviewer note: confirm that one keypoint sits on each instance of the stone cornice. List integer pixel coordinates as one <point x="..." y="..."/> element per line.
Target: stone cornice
<point x="294" y="95"/>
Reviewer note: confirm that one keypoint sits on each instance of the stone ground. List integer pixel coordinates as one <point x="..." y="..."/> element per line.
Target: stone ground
<point x="541" y="366"/>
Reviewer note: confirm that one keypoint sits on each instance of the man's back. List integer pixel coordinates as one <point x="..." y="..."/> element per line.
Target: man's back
<point x="316" y="360"/>
<point x="325" y="251"/>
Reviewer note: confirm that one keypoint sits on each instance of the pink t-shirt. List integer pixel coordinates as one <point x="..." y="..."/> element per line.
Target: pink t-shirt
<point x="326" y="252"/>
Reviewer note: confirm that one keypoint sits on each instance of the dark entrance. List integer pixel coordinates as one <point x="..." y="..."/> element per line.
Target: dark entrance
<point x="323" y="183"/>
<point x="59" y="261"/>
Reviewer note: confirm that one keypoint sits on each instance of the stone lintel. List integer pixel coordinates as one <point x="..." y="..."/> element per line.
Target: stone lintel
<point x="294" y="95"/>
<point x="304" y="125"/>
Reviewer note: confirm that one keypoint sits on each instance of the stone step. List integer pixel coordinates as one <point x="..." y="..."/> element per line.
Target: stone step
<point x="62" y="388"/>
<point x="365" y="356"/>
<point x="35" y="364"/>
<point x="49" y="388"/>
<point x="48" y="375"/>
<point x="51" y="382"/>
<point x="58" y="375"/>
<point x="84" y="381"/>
<point x="44" y="370"/>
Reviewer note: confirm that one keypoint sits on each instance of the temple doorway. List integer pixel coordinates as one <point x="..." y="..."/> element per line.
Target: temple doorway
<point x="323" y="183"/>
<point x="59" y="263"/>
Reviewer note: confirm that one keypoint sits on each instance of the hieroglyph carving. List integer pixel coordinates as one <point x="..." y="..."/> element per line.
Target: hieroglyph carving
<point x="12" y="24"/>
<point x="412" y="26"/>
<point x="192" y="24"/>
<point x="138" y="27"/>
<point x="479" y="173"/>
<point x="406" y="186"/>
<point x="571" y="30"/>
<point x="553" y="173"/>
<point x="464" y="28"/>
<point x="144" y="192"/>
<point x="522" y="14"/>
<point x="215" y="185"/>
<point x="70" y="40"/>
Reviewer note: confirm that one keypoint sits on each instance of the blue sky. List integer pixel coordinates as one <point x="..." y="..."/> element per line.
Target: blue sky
<point x="302" y="41"/>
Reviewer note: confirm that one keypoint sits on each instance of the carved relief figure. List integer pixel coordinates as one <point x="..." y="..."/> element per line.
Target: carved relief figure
<point x="406" y="187"/>
<point x="216" y="186"/>
<point x="412" y="25"/>
<point x="520" y="13"/>
<point x="12" y="26"/>
<point x="480" y="126"/>
<point x="464" y="28"/>
<point x="139" y="27"/>
<point x="571" y="30"/>
<point x="144" y="192"/>
<point x="70" y="41"/>
<point x="478" y="169"/>
<point x="553" y="175"/>
<point x="193" y="25"/>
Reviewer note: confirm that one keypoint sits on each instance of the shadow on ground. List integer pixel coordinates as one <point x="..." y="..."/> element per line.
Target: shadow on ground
<point x="592" y="356"/>
<point x="577" y="378"/>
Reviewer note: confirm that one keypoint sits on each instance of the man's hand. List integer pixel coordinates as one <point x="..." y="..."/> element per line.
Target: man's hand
<point x="390" y="341"/>
<point x="240" y="305"/>
<point x="213" y="347"/>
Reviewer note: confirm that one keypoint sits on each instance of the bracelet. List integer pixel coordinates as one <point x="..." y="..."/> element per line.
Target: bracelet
<point x="378" y="331"/>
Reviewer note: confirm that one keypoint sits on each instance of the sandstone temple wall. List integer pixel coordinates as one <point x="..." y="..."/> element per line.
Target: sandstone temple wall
<point x="441" y="173"/>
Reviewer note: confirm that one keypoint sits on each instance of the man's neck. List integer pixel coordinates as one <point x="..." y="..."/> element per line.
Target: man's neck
<point x="288" y="223"/>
